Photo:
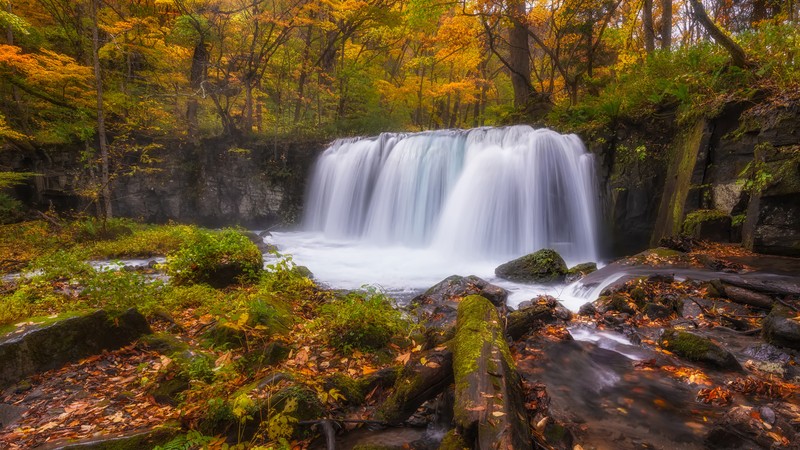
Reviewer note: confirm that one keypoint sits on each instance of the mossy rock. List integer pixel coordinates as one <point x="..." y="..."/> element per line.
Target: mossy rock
<point x="615" y="302"/>
<point x="453" y="441"/>
<point x="164" y="343"/>
<point x="708" y="224"/>
<point x="303" y="271"/>
<point x="543" y="266"/>
<point x="226" y="335"/>
<point x="638" y="294"/>
<point x="698" y="349"/>
<point x="270" y="354"/>
<point x="354" y="389"/>
<point x="308" y="405"/>
<point x="581" y="270"/>
<point x="780" y="328"/>
<point x="168" y="391"/>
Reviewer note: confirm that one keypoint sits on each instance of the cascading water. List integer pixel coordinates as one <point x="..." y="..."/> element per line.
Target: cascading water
<point x="489" y="193"/>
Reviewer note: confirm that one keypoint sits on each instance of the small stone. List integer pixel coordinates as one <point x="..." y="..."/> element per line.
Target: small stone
<point x="587" y="309"/>
<point x="767" y="414"/>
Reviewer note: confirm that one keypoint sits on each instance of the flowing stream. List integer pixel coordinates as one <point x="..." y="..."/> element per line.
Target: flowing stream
<point x="404" y="211"/>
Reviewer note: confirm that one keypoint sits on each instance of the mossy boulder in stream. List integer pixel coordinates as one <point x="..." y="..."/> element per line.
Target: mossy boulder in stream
<point x="698" y="349"/>
<point x="543" y="266"/>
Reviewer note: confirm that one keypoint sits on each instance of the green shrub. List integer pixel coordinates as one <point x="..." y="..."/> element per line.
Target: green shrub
<point x="216" y="258"/>
<point x="361" y="321"/>
<point x="94" y="229"/>
<point x="60" y="265"/>
<point x="35" y="298"/>
<point x="121" y="290"/>
<point x="146" y="241"/>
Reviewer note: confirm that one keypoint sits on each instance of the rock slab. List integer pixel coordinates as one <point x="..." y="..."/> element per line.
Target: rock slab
<point x="46" y="347"/>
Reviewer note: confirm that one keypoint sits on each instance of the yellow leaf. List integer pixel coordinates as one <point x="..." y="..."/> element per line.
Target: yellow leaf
<point x="498" y="414"/>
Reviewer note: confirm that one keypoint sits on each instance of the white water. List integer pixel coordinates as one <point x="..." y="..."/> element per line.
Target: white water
<point x="404" y="211"/>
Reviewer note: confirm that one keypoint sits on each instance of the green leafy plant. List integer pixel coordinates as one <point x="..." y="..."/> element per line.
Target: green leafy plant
<point x="363" y="320"/>
<point x="215" y="258"/>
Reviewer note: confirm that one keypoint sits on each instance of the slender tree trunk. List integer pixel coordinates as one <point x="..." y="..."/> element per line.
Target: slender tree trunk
<point x="737" y="53"/>
<point x="647" y="26"/>
<point x="197" y="75"/>
<point x="519" y="56"/>
<point x="666" y="24"/>
<point x="105" y="189"/>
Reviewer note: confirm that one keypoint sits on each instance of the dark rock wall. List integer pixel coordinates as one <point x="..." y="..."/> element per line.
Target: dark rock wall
<point x="745" y="161"/>
<point x="254" y="183"/>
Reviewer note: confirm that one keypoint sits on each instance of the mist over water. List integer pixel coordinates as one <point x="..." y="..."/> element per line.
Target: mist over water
<point x="407" y="210"/>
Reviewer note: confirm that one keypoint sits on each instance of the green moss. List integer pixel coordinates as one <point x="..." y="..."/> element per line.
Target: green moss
<point x="308" y="405"/>
<point x="353" y="389"/>
<point x="392" y="409"/>
<point x="216" y="258"/>
<point x="478" y="327"/>
<point x="453" y="441"/>
<point x="687" y="345"/>
<point x="543" y="266"/>
<point x="695" y="218"/>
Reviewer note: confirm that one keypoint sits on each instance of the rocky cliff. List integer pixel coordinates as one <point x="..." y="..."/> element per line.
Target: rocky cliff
<point x="743" y="163"/>
<point x="252" y="183"/>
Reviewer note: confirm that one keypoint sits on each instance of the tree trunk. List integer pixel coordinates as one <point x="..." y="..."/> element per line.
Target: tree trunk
<point x="489" y="411"/>
<point x="647" y="26"/>
<point x="519" y="56"/>
<point x="666" y="24"/>
<point x="738" y="55"/>
<point x="196" y="76"/>
<point x="105" y="187"/>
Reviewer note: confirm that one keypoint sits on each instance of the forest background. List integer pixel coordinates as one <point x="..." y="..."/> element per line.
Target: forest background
<point x="115" y="78"/>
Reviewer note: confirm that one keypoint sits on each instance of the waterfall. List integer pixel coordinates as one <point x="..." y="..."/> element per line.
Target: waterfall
<point x="486" y="192"/>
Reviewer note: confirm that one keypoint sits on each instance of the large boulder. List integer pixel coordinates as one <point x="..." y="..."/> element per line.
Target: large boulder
<point x="698" y="349"/>
<point x="39" y="348"/>
<point x="781" y="328"/>
<point x="437" y="306"/>
<point x="543" y="266"/>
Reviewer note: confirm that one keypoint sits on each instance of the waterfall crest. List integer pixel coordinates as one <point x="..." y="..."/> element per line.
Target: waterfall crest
<point x="487" y="192"/>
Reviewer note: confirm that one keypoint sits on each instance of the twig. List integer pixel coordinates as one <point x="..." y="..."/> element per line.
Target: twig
<point x="786" y="304"/>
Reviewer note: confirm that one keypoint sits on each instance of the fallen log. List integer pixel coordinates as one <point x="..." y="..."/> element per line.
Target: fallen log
<point x="747" y="297"/>
<point x="423" y="378"/>
<point x="525" y="320"/>
<point x="489" y="412"/>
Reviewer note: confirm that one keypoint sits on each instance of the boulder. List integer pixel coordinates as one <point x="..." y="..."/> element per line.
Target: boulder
<point x="525" y="320"/>
<point x="698" y="349"/>
<point x="132" y="440"/>
<point x="781" y="328"/>
<point x="39" y="348"/>
<point x="708" y="224"/>
<point x="543" y="266"/>
<point x="437" y="306"/>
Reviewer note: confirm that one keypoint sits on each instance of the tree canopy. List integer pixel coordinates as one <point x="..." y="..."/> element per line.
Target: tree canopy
<point x="201" y="68"/>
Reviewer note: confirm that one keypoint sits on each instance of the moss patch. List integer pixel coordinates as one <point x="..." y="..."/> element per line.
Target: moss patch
<point x="694" y="219"/>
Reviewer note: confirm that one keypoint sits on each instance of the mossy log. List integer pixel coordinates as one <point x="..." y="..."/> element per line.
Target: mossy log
<point x="423" y="378"/>
<point x="488" y="408"/>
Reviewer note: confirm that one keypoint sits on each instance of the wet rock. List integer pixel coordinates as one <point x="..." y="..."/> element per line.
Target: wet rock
<point x="747" y="297"/>
<point x="744" y="427"/>
<point x="134" y="440"/>
<point x="543" y="266"/>
<point x="614" y="302"/>
<point x="525" y="320"/>
<point x="580" y="271"/>
<point x="682" y="244"/>
<point x="698" y="349"/>
<point x="656" y="311"/>
<point x="780" y="328"/>
<point x="437" y="306"/>
<point x="44" y="347"/>
<point x="9" y="414"/>
<point x="661" y="278"/>
<point x="456" y="287"/>
<point x="587" y="309"/>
